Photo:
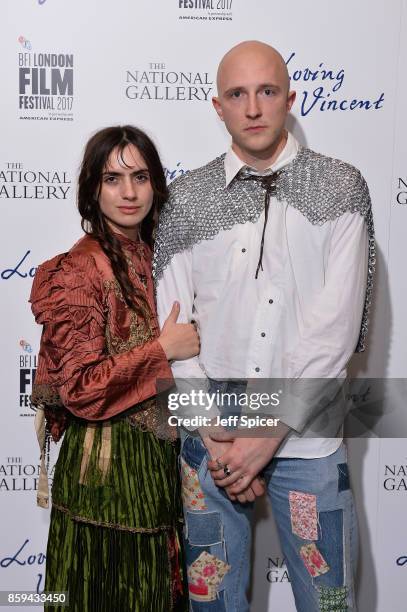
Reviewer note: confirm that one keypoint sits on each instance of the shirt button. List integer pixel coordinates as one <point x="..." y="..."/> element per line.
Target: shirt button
<point x="263" y="335"/>
<point x="271" y="301"/>
<point x="257" y="369"/>
<point x="243" y="250"/>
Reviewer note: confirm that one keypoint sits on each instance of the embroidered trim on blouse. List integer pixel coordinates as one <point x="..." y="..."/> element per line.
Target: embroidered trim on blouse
<point x="46" y="395"/>
<point x="150" y="416"/>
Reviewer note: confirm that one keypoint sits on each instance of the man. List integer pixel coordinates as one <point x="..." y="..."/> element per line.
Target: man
<point x="270" y="250"/>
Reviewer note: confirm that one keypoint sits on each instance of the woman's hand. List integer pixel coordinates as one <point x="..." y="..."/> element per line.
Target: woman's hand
<point x="178" y="340"/>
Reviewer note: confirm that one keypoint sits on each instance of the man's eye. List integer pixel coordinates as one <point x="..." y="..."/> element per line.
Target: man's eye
<point x="110" y="179"/>
<point x="236" y="94"/>
<point x="268" y="91"/>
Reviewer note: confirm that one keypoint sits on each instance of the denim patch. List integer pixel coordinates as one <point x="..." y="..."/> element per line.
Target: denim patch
<point x="313" y="560"/>
<point x="330" y="545"/>
<point x="333" y="599"/>
<point x="205" y="575"/>
<point x="193" y="451"/>
<point x="193" y="497"/>
<point x="204" y="529"/>
<point x="343" y="477"/>
<point x="303" y="512"/>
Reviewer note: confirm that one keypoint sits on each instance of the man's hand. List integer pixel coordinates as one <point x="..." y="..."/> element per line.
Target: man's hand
<point x="257" y="488"/>
<point x="245" y="458"/>
<point x="254" y="489"/>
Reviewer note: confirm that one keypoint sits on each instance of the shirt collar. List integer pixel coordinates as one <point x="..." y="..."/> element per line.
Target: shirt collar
<point x="233" y="163"/>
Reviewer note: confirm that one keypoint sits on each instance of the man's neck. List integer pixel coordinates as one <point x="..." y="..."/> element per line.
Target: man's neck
<point x="262" y="160"/>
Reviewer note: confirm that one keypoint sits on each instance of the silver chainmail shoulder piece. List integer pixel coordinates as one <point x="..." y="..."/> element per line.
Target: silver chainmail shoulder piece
<point x="201" y="205"/>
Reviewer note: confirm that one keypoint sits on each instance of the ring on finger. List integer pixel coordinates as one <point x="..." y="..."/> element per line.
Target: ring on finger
<point x="227" y="470"/>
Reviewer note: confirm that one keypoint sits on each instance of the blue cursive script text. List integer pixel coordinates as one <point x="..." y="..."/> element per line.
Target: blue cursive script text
<point x="170" y="175"/>
<point x="19" y="559"/>
<point x="7" y="273"/>
<point x="322" y="97"/>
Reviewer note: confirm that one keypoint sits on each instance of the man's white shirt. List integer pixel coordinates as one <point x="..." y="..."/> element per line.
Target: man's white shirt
<point x="299" y="319"/>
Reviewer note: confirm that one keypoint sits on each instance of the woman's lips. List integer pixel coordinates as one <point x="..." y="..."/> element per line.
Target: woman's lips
<point x="129" y="210"/>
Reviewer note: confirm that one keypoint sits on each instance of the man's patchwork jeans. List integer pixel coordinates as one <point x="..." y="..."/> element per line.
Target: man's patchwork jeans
<point x="314" y="512"/>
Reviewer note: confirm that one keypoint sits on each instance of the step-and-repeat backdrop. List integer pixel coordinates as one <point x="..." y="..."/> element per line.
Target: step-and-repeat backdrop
<point x="71" y="67"/>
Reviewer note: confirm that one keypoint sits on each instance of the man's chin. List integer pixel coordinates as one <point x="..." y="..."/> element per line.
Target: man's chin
<point x="260" y="147"/>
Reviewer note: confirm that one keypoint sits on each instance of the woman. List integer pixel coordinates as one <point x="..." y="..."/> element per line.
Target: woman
<point x="114" y="533"/>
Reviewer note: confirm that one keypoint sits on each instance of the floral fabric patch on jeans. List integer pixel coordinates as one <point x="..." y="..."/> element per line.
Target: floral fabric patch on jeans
<point x="303" y="511"/>
<point x="313" y="560"/>
<point x="205" y="575"/>
<point x="192" y="494"/>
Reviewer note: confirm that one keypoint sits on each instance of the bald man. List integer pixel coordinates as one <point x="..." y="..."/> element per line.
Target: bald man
<point x="267" y="248"/>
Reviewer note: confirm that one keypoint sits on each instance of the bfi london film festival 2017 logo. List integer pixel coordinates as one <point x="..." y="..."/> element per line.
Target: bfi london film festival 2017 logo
<point x="27" y="365"/>
<point x="205" y="10"/>
<point x="45" y="84"/>
<point x="157" y="82"/>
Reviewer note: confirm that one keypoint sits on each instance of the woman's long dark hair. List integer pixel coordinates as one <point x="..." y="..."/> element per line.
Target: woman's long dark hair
<point x="97" y="152"/>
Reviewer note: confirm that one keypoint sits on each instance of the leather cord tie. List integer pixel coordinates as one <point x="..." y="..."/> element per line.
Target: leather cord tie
<point x="268" y="182"/>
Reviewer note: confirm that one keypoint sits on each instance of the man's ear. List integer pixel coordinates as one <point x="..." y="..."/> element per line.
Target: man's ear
<point x="291" y="99"/>
<point x="217" y="106"/>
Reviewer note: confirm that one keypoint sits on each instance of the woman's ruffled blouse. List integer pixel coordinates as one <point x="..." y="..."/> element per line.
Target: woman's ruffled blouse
<point x="97" y="357"/>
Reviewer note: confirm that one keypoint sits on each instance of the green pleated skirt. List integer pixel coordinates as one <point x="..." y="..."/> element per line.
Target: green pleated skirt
<point x="115" y="532"/>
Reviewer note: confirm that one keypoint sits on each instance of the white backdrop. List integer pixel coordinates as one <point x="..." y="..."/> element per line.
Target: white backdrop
<point x="86" y="65"/>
